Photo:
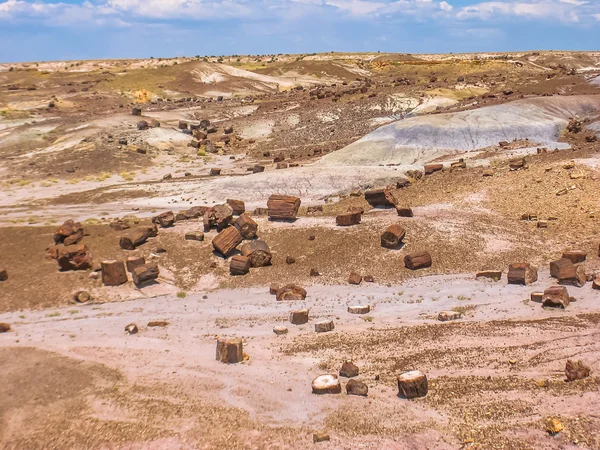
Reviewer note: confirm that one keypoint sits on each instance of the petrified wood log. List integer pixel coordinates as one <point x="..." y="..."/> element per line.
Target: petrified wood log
<point x="348" y="219"/>
<point x="326" y="384"/>
<point x="392" y="236"/>
<point x="238" y="206"/>
<point x="230" y="351"/>
<point x="239" y="265"/>
<point x="227" y="240"/>
<point x="258" y="252"/>
<point x="521" y="273"/>
<point x="417" y="260"/>
<point x="246" y="226"/>
<point x="299" y="317"/>
<point x="283" y="207"/>
<point x="113" y="273"/>
<point x="134" y="261"/>
<point x="556" y="297"/>
<point x="291" y="292"/>
<point x="412" y="384"/>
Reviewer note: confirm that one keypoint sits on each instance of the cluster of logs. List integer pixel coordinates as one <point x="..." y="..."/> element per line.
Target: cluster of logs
<point x="114" y="272"/>
<point x="67" y="249"/>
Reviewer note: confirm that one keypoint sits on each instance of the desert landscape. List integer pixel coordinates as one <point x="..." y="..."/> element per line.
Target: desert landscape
<point x="329" y="250"/>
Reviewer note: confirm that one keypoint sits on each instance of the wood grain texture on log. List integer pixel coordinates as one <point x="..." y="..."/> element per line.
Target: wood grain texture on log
<point x="230" y="350"/>
<point x="291" y="292"/>
<point x="74" y="257"/>
<point x="521" y="273"/>
<point x="239" y="265"/>
<point x="246" y="226"/>
<point x="431" y="168"/>
<point x="134" y="261"/>
<point x="299" y="317"/>
<point x="556" y="297"/>
<point x="258" y="253"/>
<point x="219" y="216"/>
<point x="348" y="219"/>
<point x="326" y="384"/>
<point x="283" y="207"/>
<point x="145" y="273"/>
<point x="227" y="240"/>
<point x="412" y="384"/>
<point x="238" y="206"/>
<point x="393" y="236"/>
<point x="417" y="260"/>
<point x="113" y="273"/>
<point x="137" y="237"/>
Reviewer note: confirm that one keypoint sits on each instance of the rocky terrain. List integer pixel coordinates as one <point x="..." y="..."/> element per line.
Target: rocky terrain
<point x="285" y="251"/>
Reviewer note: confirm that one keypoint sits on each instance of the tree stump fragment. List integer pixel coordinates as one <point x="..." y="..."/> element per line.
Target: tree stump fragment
<point x="412" y="384"/>
<point x="230" y="350"/>
<point x="113" y="273"/>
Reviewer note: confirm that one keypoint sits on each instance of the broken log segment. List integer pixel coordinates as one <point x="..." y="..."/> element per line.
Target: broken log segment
<point x="258" y="253"/>
<point x="417" y="260"/>
<point x="521" y="273"/>
<point x="354" y="278"/>
<point x="238" y="206"/>
<point x="227" y="240"/>
<point x="239" y="265"/>
<point x="134" y="261"/>
<point x="74" y="257"/>
<point x="356" y="387"/>
<point x="291" y="292"/>
<point x="380" y="197"/>
<point x="348" y="219"/>
<point x="556" y="297"/>
<point x="246" y="226"/>
<point x="349" y="369"/>
<point x="494" y="275"/>
<point x="431" y="168"/>
<point x="137" y="237"/>
<point x="145" y="273"/>
<point x="219" y="216"/>
<point x="575" y="256"/>
<point x="568" y="273"/>
<point x="165" y="220"/>
<point x="324" y="326"/>
<point x="230" y="351"/>
<point x="412" y="384"/>
<point x="359" y="309"/>
<point x="404" y="212"/>
<point x="392" y="236"/>
<point x="299" y="317"/>
<point x="283" y="207"/>
<point x="113" y="273"/>
<point x="326" y="384"/>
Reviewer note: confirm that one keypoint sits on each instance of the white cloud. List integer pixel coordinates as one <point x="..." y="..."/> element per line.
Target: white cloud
<point x="445" y="6"/>
<point x="534" y="10"/>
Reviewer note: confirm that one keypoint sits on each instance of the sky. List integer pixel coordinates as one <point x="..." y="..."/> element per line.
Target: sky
<point x="35" y="30"/>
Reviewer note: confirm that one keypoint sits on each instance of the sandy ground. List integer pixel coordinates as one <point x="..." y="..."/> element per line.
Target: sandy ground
<point x="496" y="352"/>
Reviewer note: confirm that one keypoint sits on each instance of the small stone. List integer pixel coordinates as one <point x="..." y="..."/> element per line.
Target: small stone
<point x="321" y="437"/>
<point x="194" y="236"/>
<point x="537" y="297"/>
<point x="576" y="370"/>
<point x="354" y="278"/>
<point x="157" y="323"/>
<point x="4" y="327"/>
<point x="445" y="316"/>
<point x="81" y="296"/>
<point x="131" y="328"/>
<point x="290" y="260"/>
<point x="324" y="326"/>
<point x="553" y="426"/>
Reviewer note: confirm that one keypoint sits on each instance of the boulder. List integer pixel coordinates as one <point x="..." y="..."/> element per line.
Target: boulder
<point x="521" y="273"/>
<point x="69" y="233"/>
<point x="74" y="257"/>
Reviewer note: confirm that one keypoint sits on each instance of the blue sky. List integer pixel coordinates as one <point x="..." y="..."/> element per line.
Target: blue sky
<point x="75" y="29"/>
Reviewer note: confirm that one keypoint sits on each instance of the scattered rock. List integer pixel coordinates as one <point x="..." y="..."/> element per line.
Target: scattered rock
<point x="145" y="274"/>
<point x="238" y="206"/>
<point x="553" y="426"/>
<point x="214" y="172"/>
<point x="431" y="168"/>
<point x="575" y="256"/>
<point x="165" y="220"/>
<point x="324" y="326"/>
<point x="134" y="261"/>
<point x="258" y="253"/>
<point x="74" y="257"/>
<point x="355" y="387"/>
<point x="537" y="297"/>
<point x="445" y="316"/>
<point x="3" y="274"/>
<point x="219" y="216"/>
<point x="82" y="296"/>
<point x="290" y="260"/>
<point x="354" y="278"/>
<point x="380" y="197"/>
<point x="576" y="370"/>
<point x="517" y="163"/>
<point x="131" y="328"/>
<point x="349" y="369"/>
<point x="69" y="233"/>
